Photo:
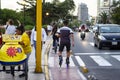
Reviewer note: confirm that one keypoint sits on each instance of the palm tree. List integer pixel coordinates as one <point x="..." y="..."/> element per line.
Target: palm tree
<point x="115" y="12"/>
<point x="104" y="17"/>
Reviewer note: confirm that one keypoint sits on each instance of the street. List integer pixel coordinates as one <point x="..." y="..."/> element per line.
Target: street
<point x="101" y="64"/>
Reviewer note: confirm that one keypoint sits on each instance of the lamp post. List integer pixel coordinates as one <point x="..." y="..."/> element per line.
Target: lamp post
<point x="23" y="3"/>
<point x="109" y="20"/>
<point x="0" y="11"/>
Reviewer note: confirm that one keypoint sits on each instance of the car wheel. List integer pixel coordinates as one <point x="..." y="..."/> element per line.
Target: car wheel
<point x="99" y="46"/>
<point x="95" y="45"/>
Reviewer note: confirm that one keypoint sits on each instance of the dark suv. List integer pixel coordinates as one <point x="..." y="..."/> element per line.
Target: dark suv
<point x="107" y="35"/>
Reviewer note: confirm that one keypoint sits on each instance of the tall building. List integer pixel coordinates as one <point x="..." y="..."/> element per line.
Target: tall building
<point x="82" y="12"/>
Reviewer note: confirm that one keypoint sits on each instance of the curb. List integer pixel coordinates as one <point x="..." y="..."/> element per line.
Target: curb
<point x="45" y="56"/>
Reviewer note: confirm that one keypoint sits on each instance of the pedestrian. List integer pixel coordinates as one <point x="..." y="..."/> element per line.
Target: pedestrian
<point x="10" y="28"/>
<point x="33" y="38"/>
<point x="25" y="43"/>
<point x="44" y="36"/>
<point x="49" y="29"/>
<point x="66" y="34"/>
<point x="54" y="36"/>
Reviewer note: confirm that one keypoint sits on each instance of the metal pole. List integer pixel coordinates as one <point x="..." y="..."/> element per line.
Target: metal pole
<point x="38" y="68"/>
<point x="109" y="11"/>
<point x="24" y="14"/>
<point x="0" y="11"/>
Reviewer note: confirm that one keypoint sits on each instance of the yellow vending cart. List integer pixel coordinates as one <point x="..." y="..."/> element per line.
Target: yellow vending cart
<point x="12" y="53"/>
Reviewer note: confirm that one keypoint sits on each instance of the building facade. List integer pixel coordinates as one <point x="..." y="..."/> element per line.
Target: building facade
<point x="104" y="6"/>
<point x="82" y="12"/>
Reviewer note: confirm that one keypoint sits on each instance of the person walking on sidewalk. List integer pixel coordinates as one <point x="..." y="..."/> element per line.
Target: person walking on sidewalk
<point x="65" y="33"/>
<point x="33" y="37"/>
<point x="49" y="29"/>
<point x="54" y="36"/>
<point x="25" y="43"/>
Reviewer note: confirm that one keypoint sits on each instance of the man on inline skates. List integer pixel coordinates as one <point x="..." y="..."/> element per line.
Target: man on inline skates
<point x="65" y="33"/>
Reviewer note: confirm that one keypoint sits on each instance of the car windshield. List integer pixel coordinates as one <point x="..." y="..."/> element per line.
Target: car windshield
<point x="110" y="29"/>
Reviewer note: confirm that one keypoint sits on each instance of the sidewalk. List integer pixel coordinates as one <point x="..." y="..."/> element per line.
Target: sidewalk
<point x="50" y="67"/>
<point x="63" y="73"/>
<point x="31" y="74"/>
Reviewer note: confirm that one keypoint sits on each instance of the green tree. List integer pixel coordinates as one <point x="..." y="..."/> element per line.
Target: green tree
<point x="115" y="13"/>
<point x="47" y="8"/>
<point x="29" y="7"/>
<point x="64" y="9"/>
<point x="8" y="14"/>
<point x="57" y="10"/>
<point x="104" y="17"/>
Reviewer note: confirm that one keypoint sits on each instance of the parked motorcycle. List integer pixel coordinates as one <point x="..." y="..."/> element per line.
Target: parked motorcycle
<point x="82" y="35"/>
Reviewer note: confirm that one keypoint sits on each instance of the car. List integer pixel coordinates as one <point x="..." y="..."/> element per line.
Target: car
<point x="107" y="35"/>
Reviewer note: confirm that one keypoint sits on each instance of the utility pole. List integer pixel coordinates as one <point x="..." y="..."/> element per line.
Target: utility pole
<point x="0" y="11"/>
<point x="38" y="68"/>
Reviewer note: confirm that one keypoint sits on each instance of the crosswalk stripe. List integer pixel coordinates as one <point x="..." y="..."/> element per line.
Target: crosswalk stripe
<point x="116" y="57"/>
<point x="71" y="62"/>
<point x="110" y="53"/>
<point x="52" y="62"/>
<point x="91" y="43"/>
<point x="101" y="61"/>
<point x="80" y="61"/>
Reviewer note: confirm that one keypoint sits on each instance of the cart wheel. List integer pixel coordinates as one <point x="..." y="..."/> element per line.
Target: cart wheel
<point x="19" y="67"/>
<point x="26" y="71"/>
<point x="12" y="70"/>
<point x="4" y="68"/>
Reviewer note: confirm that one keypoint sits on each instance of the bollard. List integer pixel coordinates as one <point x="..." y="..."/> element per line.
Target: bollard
<point x="84" y="69"/>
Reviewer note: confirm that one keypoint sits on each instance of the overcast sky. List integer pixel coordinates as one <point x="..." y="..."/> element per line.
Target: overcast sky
<point x="92" y="5"/>
<point x="10" y="4"/>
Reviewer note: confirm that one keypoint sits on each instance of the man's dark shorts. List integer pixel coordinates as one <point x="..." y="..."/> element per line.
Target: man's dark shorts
<point x="61" y="47"/>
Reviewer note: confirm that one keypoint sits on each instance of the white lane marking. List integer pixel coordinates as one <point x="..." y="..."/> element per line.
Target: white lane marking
<point x="82" y="76"/>
<point x="115" y="53"/>
<point x="91" y="43"/>
<point x="71" y="62"/>
<point x="80" y="61"/>
<point x="51" y="61"/>
<point x="101" y="61"/>
<point x="116" y="57"/>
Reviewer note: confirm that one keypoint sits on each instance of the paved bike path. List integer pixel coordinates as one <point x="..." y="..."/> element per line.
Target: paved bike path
<point x="63" y="73"/>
